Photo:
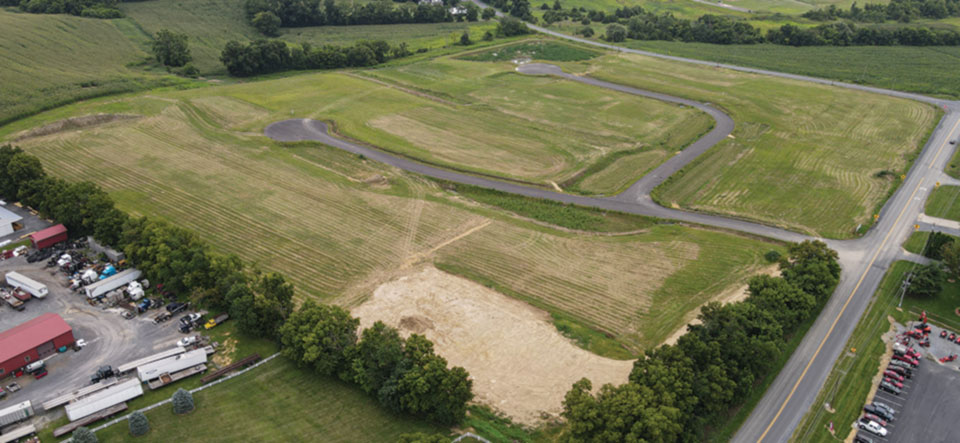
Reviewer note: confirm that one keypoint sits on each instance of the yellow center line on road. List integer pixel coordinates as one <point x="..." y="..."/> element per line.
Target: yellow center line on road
<point x="855" y="288"/>
<point x="837" y="319"/>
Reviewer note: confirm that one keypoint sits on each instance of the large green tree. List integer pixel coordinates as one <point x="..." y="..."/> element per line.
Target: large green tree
<point x="782" y="299"/>
<point x="320" y="336"/>
<point x="927" y="281"/>
<point x="170" y="48"/>
<point x="377" y="355"/>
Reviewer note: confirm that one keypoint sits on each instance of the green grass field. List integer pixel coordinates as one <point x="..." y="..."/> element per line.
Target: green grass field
<point x="338" y="226"/>
<point x="916" y="242"/>
<point x="944" y="202"/>
<point x="927" y="70"/>
<point x="849" y="382"/>
<point x="802" y="156"/>
<point x="276" y="402"/>
<point x="488" y="119"/>
<point x="51" y="60"/>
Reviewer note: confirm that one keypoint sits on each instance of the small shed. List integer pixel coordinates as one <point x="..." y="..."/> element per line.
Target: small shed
<point x="48" y="237"/>
<point x="7" y="221"/>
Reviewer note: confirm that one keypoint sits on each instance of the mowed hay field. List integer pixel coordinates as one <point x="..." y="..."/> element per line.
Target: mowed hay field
<point x="802" y="156"/>
<point x="339" y="226"/>
<point x="48" y="60"/>
<point x="487" y="118"/>
<point x="277" y="402"/>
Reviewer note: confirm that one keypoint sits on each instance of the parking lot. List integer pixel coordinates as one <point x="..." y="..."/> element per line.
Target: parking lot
<point x="928" y="405"/>
<point x="111" y="339"/>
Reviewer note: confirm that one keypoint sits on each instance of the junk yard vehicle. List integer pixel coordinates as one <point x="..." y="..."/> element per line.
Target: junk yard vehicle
<point x="216" y="321"/>
<point x="33" y="287"/>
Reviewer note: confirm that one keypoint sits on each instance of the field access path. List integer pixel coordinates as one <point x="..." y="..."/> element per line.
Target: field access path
<point x="864" y="260"/>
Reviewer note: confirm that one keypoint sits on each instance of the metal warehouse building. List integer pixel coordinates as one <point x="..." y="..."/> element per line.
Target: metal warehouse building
<point x="7" y="219"/>
<point x="31" y="341"/>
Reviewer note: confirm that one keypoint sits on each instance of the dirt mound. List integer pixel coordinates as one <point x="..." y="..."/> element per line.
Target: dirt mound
<point x="518" y="361"/>
<point x="74" y="123"/>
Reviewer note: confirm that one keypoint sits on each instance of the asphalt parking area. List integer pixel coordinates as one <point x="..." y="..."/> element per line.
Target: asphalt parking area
<point x="111" y="339"/>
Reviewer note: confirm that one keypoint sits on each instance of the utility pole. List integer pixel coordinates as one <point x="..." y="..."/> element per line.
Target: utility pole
<point x="903" y="288"/>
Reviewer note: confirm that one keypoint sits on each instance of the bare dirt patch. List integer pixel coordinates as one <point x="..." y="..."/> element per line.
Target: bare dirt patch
<point x="519" y="362"/>
<point x="74" y="123"/>
<point x="733" y="294"/>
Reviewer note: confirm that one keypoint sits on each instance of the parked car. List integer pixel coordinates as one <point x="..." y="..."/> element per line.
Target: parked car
<point x="899" y="385"/>
<point x="890" y="412"/>
<point x="893" y="375"/>
<point x="862" y="439"/>
<point x="913" y="362"/>
<point x="875" y="418"/>
<point x="187" y="341"/>
<point x="889" y="388"/>
<point x="190" y="318"/>
<point x="872" y="427"/>
<point x="42" y="373"/>
<point x="900" y="364"/>
<point x="176" y="307"/>
<point x="906" y="372"/>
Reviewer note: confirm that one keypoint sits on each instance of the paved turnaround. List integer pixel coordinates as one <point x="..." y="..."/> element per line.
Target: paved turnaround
<point x="864" y="260"/>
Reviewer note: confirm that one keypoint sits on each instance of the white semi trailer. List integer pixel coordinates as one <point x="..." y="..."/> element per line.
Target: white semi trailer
<point x="35" y="288"/>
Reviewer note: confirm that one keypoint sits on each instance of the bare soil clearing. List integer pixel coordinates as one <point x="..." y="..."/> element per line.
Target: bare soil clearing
<point x="519" y="362"/>
<point x="73" y="123"/>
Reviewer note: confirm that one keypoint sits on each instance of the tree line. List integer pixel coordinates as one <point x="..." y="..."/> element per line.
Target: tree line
<point x="82" y="8"/>
<point x="674" y="391"/>
<point x="264" y="14"/>
<point x="266" y="56"/>
<point x="903" y="11"/>
<point x="405" y="375"/>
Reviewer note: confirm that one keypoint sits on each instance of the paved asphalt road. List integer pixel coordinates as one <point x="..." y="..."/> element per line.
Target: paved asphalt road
<point x="864" y="260"/>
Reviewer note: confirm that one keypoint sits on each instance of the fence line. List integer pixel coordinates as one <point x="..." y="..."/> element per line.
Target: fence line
<point x="161" y="403"/>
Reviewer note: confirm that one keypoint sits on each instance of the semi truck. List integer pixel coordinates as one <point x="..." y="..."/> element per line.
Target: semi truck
<point x="18" y="280"/>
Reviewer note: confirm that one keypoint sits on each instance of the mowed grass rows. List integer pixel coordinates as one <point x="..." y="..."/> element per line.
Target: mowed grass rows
<point x="802" y="156"/>
<point x="338" y="225"/>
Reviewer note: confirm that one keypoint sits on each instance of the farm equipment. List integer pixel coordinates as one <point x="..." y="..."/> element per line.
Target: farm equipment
<point x="948" y="358"/>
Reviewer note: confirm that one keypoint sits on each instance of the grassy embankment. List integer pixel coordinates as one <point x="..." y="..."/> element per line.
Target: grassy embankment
<point x="805" y="158"/>
<point x="196" y="158"/>
<point x="848" y="384"/>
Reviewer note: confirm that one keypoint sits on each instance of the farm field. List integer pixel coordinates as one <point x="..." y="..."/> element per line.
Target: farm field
<point x="485" y="118"/>
<point x="339" y="226"/>
<point x="50" y="60"/>
<point x="944" y="202"/>
<point x="249" y="407"/>
<point x="212" y="23"/>
<point x="927" y="70"/>
<point x="807" y="158"/>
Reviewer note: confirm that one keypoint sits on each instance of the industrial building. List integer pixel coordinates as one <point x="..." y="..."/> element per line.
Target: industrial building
<point x="46" y="238"/>
<point x="7" y="221"/>
<point x="31" y="341"/>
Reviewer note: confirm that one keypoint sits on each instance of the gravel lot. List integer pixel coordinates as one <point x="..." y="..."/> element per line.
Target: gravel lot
<point x="112" y="340"/>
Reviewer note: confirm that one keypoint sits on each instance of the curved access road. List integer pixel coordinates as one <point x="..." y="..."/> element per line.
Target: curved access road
<point x="864" y="260"/>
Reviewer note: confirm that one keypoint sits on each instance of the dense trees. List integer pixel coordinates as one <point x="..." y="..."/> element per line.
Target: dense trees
<point x="170" y="48"/>
<point x="927" y="281"/>
<point x="950" y="254"/>
<point x="896" y="10"/>
<point x="509" y="27"/>
<point x="332" y="13"/>
<point x="406" y="376"/>
<point x="84" y="8"/>
<point x="675" y="390"/>
<point x="266" y="56"/>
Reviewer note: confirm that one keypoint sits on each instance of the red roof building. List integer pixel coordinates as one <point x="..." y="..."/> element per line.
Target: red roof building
<point x="31" y="341"/>
<point x="49" y="237"/>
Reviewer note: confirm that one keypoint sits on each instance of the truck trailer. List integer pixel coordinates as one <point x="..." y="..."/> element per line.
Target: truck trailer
<point x="173" y="364"/>
<point x="35" y="288"/>
<point x="108" y="284"/>
<point x="16" y="413"/>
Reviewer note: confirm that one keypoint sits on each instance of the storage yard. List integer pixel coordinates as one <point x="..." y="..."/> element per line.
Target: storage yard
<point x="69" y="320"/>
